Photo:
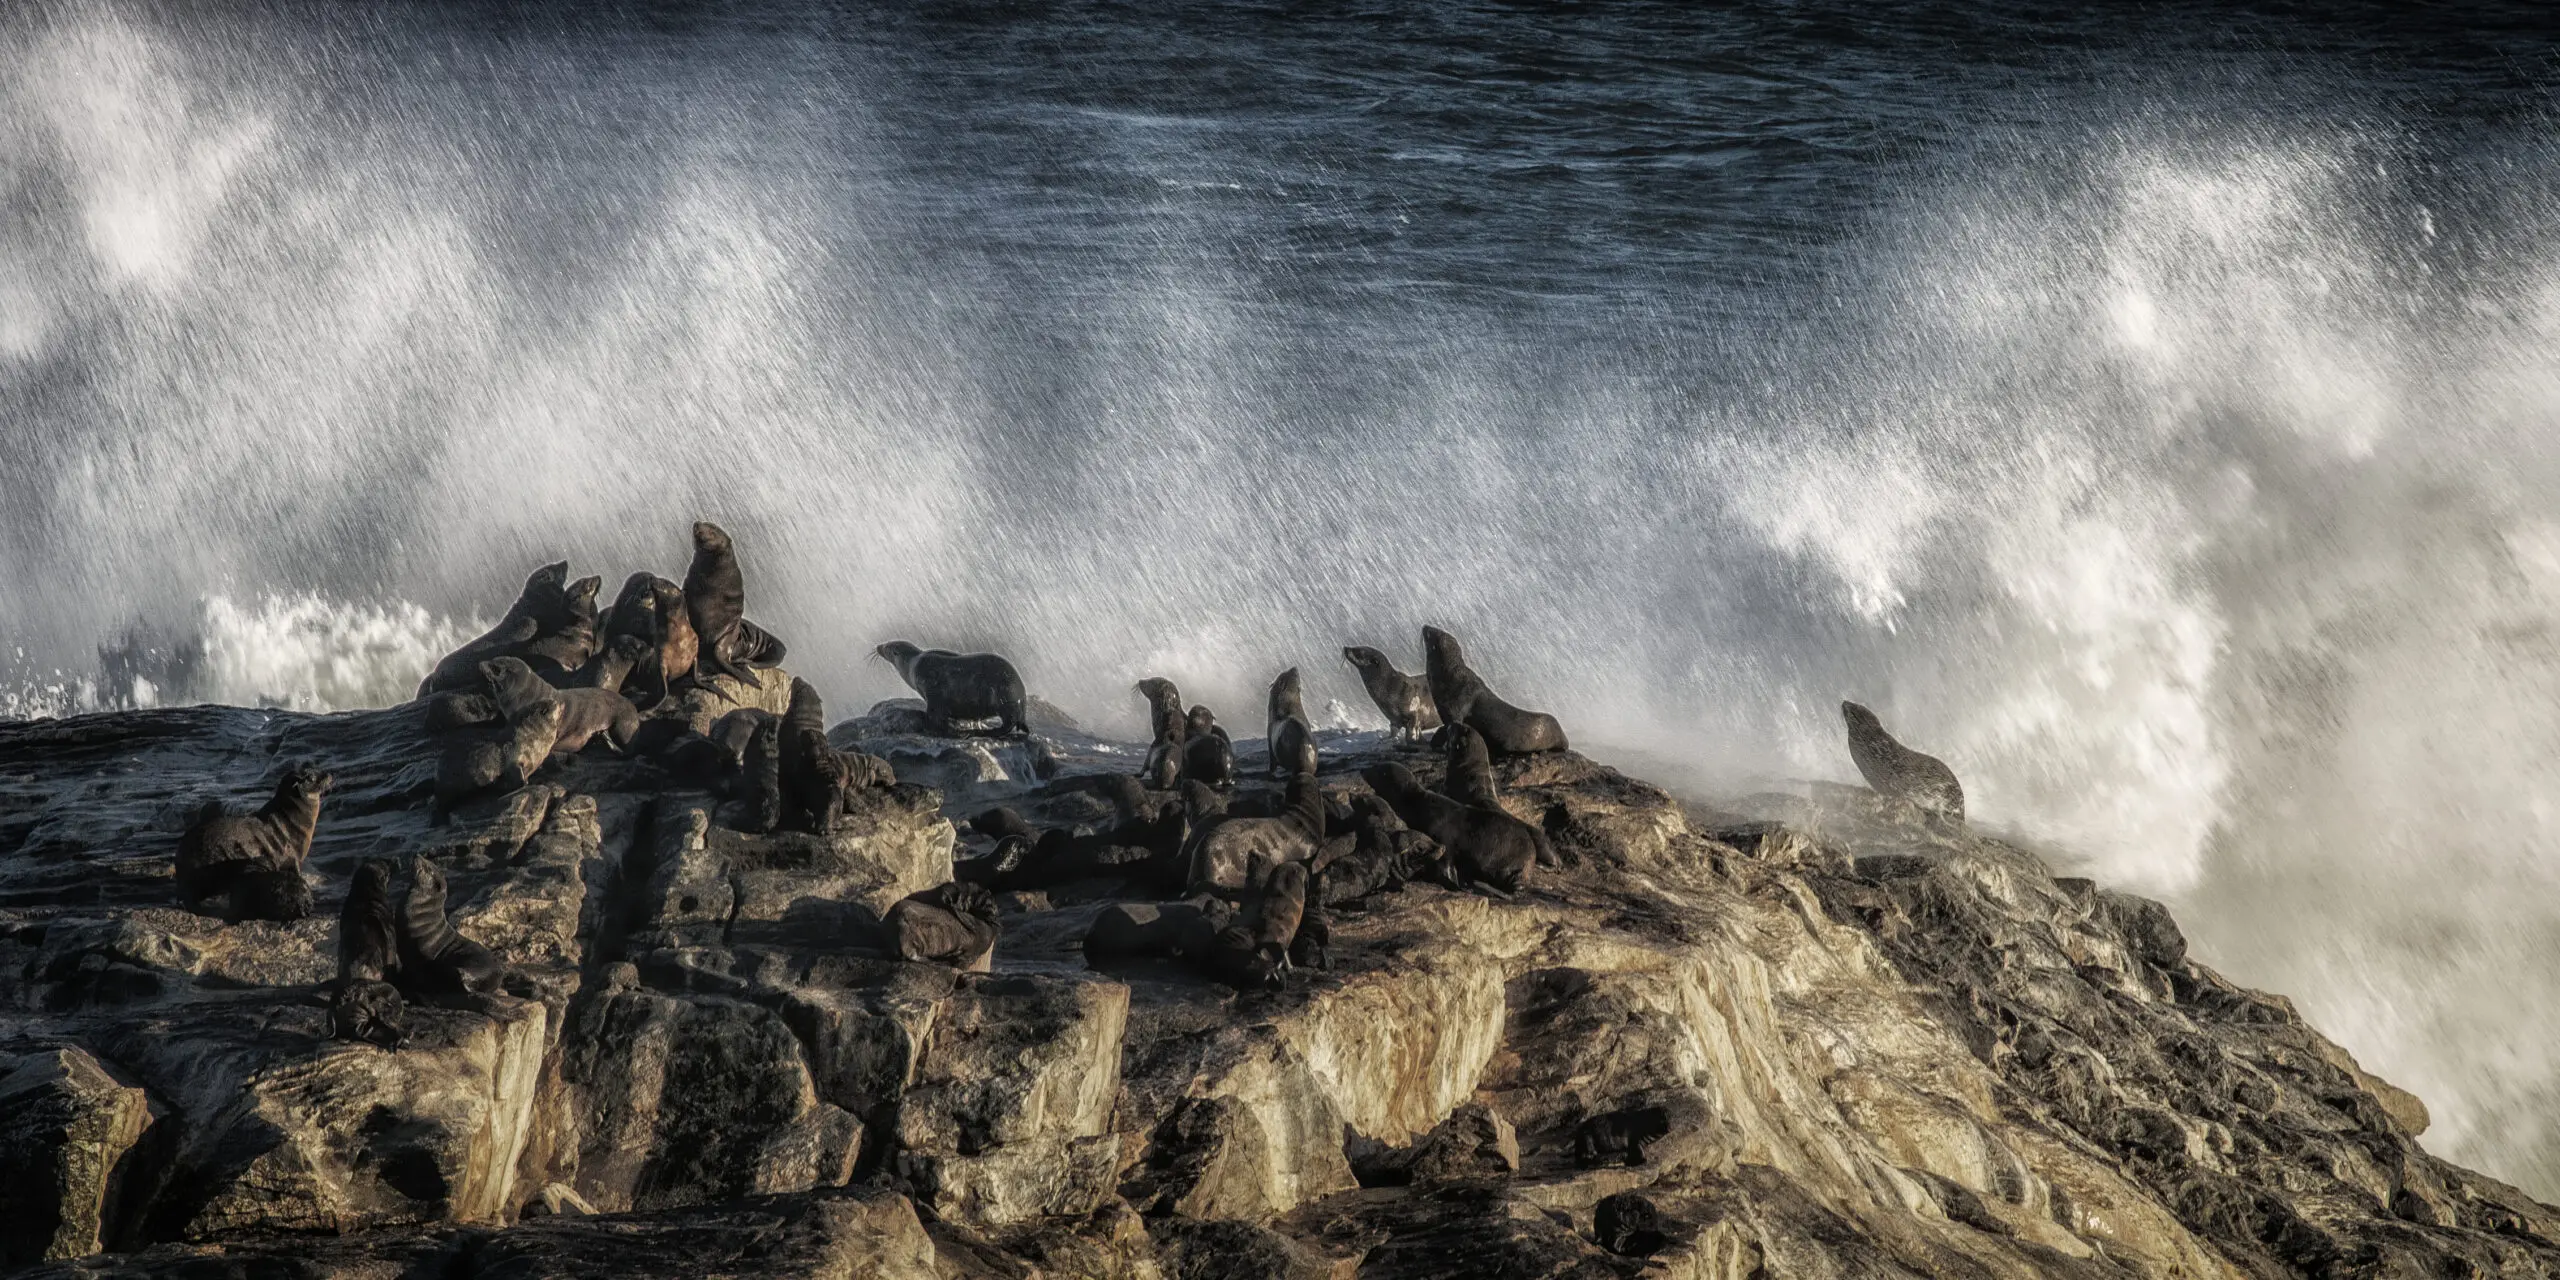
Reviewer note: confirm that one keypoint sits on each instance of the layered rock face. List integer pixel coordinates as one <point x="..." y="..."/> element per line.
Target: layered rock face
<point x="1787" y="1037"/>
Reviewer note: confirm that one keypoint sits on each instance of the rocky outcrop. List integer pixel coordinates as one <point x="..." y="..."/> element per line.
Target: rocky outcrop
<point x="1789" y="1036"/>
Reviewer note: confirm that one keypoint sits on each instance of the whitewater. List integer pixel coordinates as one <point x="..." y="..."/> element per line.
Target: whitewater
<point x="2186" y="479"/>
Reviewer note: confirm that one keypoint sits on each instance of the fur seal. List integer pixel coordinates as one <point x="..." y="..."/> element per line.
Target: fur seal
<point x="1405" y="700"/>
<point x="368" y="929"/>
<point x="559" y="651"/>
<point x="1897" y="772"/>
<point x="953" y="924"/>
<point x="1163" y="768"/>
<point x="759" y="783"/>
<point x="1463" y="698"/>
<point x="589" y="714"/>
<point x="1487" y="845"/>
<point x="1166" y="930"/>
<point x="1292" y="742"/>
<point x="1470" y="769"/>
<point x="634" y="611"/>
<point x="679" y="649"/>
<point x="1208" y="757"/>
<point x="255" y="860"/>
<point x="541" y="606"/>
<point x="1385" y="854"/>
<point x="957" y="686"/>
<point x="813" y="773"/>
<point x="616" y="659"/>
<point x="435" y="959"/>
<point x="715" y="597"/>
<point x="1237" y="852"/>
<point x="504" y="755"/>
<point x="368" y="1011"/>
<point x="459" y="709"/>
<point x="1620" y="1136"/>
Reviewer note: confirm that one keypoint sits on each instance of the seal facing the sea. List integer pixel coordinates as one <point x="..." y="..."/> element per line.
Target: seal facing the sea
<point x="435" y="959"/>
<point x="255" y="860"/>
<point x="1405" y="700"/>
<point x="1462" y="698"/>
<point x="961" y="686"/>
<point x="1897" y="771"/>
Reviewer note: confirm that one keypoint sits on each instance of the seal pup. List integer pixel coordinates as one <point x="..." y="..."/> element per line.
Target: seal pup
<point x="1403" y="699"/>
<point x="953" y="924"/>
<point x="813" y="775"/>
<point x="715" y="596"/>
<point x="1462" y="698"/>
<point x="369" y="1012"/>
<point x="960" y="686"/>
<point x="564" y="647"/>
<point x="1619" y="1136"/>
<point x="1292" y="742"/>
<point x="368" y="929"/>
<point x="1234" y="853"/>
<point x="1208" y="757"/>
<point x="1163" y="768"/>
<point x="1487" y="845"/>
<point x="435" y="959"/>
<point x="1897" y="772"/>
<point x="255" y="859"/>
<point x="542" y="605"/>
<point x="611" y="667"/>
<point x="1470" y="779"/>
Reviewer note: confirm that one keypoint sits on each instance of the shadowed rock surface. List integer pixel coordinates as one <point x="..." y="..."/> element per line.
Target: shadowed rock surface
<point x="1799" y="1039"/>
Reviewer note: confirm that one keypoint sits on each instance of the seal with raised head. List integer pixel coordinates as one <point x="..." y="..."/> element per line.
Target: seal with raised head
<point x="541" y="606"/>
<point x="677" y="649"/>
<point x="435" y="959"/>
<point x="610" y="669"/>
<point x="1470" y="769"/>
<point x="715" y="596"/>
<point x="505" y="754"/>
<point x="1405" y="700"/>
<point x="254" y="860"/>
<point x="1208" y="757"/>
<point x="559" y="651"/>
<point x="814" y="780"/>
<point x="1234" y="853"/>
<point x="1290" y="740"/>
<point x="1898" y="772"/>
<point x="1462" y="698"/>
<point x="961" y="686"/>
<point x="1487" y="845"/>
<point x="1163" y="768"/>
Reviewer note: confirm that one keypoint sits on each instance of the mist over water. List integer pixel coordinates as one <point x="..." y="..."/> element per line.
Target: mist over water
<point x="2180" y="468"/>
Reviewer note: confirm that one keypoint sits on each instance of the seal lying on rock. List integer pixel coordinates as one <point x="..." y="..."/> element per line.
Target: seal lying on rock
<point x="1166" y="930"/>
<point x="589" y="714"/>
<point x="254" y="861"/>
<point x="953" y="924"/>
<point x="715" y="597"/>
<point x="1291" y="741"/>
<point x="1405" y="700"/>
<point x="1470" y="769"/>
<point x="1385" y="854"/>
<point x="960" y="686"/>
<point x="1899" y="773"/>
<point x="613" y="664"/>
<point x="1487" y="845"/>
<point x="1463" y="698"/>
<point x="1618" y="1136"/>
<point x="435" y="959"/>
<point x="505" y="755"/>
<point x="370" y="1012"/>
<point x="1208" y="757"/>
<point x="1233" y="853"/>
<point x="541" y="606"/>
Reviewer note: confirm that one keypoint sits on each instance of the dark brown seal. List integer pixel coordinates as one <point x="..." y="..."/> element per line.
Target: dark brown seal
<point x="1470" y="769"/>
<point x="954" y="924"/>
<point x="1237" y="852"/>
<point x="1290" y="740"/>
<point x="1405" y="700"/>
<point x="1208" y="758"/>
<point x="542" y="606"/>
<point x="679" y="646"/>
<point x="1165" y="720"/>
<point x="1487" y="845"/>
<point x="961" y="686"/>
<point x="813" y="774"/>
<point x="560" y="650"/>
<point x="715" y="596"/>
<point x="254" y="861"/>
<point x="589" y="715"/>
<point x="1898" y="772"/>
<point x="369" y="1012"/>
<point x="435" y="959"/>
<point x="368" y="929"/>
<point x="1463" y="698"/>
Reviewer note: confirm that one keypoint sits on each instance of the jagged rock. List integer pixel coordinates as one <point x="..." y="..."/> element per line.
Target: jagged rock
<point x="1788" y="1036"/>
<point x="68" y="1129"/>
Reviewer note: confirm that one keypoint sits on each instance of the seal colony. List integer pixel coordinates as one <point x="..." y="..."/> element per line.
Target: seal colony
<point x="1236" y="883"/>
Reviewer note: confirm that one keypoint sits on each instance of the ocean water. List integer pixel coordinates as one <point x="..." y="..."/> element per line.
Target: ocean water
<point x="2152" y="411"/>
